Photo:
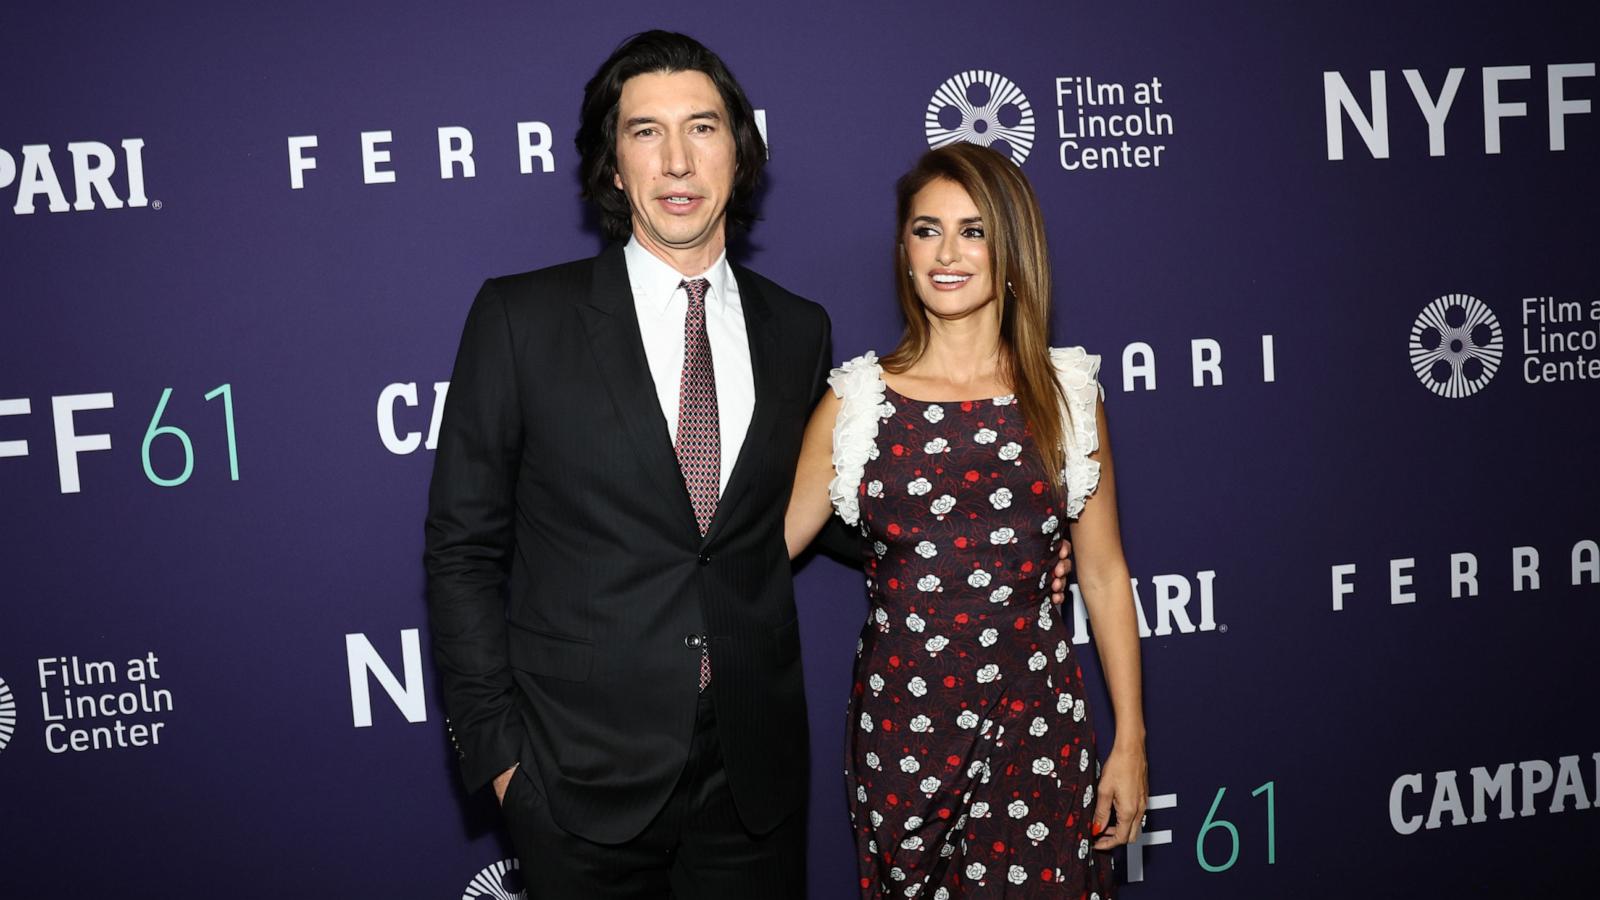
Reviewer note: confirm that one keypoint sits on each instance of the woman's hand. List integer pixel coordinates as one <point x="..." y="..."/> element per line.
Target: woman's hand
<point x="1058" y="585"/>
<point x="1125" y="787"/>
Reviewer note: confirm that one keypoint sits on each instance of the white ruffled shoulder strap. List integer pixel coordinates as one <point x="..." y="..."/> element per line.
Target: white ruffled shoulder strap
<point x="1078" y="371"/>
<point x="859" y="384"/>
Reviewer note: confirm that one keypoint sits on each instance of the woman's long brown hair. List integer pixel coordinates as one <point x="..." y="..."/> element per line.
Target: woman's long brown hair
<point x="1020" y="266"/>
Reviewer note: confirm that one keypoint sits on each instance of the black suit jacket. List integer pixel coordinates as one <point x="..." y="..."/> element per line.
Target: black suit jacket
<point x="565" y="567"/>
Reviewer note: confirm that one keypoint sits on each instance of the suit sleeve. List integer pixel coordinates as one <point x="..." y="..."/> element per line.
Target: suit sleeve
<point x="469" y="543"/>
<point x="819" y="374"/>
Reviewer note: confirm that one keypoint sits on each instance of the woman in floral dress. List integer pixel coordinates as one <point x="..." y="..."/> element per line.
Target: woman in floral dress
<point x="962" y="456"/>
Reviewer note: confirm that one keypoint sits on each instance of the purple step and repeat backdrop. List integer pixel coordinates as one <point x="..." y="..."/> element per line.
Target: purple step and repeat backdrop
<point x="1340" y="260"/>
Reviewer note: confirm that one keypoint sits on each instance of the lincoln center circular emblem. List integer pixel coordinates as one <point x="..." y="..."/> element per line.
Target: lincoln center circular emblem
<point x="1456" y="345"/>
<point x="981" y="107"/>
<point x="8" y="714"/>
<point x="500" y="881"/>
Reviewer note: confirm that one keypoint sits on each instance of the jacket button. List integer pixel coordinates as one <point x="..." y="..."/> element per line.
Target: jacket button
<point x="704" y="559"/>
<point x="693" y="641"/>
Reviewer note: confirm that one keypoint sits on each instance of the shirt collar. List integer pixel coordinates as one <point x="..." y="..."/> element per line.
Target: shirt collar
<point x="654" y="281"/>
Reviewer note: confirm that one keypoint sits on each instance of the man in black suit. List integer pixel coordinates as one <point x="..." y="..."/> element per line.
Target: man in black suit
<point x="609" y="593"/>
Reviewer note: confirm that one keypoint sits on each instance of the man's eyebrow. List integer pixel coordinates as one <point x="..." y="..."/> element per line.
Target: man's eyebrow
<point x="711" y="114"/>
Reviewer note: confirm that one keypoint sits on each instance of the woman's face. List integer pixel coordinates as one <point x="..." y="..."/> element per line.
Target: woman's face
<point x="947" y="251"/>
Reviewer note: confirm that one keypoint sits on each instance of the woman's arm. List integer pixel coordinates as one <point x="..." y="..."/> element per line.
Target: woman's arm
<point x="809" y="506"/>
<point x="1103" y="577"/>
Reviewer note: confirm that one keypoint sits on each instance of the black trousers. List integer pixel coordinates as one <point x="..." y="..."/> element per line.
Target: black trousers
<point x="695" y="849"/>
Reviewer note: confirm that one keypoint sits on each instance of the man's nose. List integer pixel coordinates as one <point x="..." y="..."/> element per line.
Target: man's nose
<point x="678" y="160"/>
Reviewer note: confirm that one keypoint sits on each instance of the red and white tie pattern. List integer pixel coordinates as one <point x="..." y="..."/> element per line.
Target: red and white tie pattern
<point x="699" y="443"/>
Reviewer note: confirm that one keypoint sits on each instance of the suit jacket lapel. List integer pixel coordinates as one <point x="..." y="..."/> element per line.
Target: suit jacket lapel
<point x="612" y="324"/>
<point x="760" y="331"/>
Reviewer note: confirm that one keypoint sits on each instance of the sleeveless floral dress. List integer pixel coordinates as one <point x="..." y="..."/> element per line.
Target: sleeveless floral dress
<point x="971" y="764"/>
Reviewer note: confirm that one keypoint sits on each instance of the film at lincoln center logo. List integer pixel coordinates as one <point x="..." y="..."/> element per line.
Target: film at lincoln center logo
<point x="8" y="714"/>
<point x="1456" y="344"/>
<point x="499" y="881"/>
<point x="981" y="107"/>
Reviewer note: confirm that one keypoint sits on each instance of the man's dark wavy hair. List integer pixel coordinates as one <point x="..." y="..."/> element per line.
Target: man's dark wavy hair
<point x="668" y="52"/>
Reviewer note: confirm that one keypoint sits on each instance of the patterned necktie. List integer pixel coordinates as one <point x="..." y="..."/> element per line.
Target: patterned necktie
<point x="699" y="442"/>
<point x="699" y="433"/>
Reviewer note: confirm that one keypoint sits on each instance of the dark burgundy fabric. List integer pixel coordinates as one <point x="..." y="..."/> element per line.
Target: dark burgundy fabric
<point x="972" y="762"/>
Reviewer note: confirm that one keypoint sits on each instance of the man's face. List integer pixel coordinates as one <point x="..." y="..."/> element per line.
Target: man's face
<point x="675" y="161"/>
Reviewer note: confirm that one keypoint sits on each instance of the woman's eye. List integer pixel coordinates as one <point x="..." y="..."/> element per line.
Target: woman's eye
<point x="974" y="233"/>
<point x="925" y="231"/>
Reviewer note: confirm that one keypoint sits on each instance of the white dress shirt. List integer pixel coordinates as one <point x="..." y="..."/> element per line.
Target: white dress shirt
<point x="662" y="306"/>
